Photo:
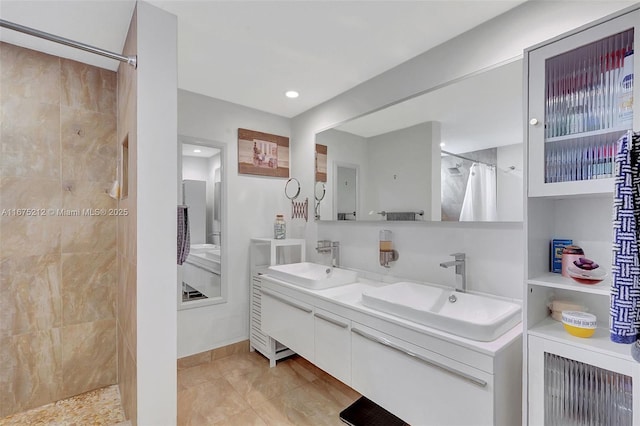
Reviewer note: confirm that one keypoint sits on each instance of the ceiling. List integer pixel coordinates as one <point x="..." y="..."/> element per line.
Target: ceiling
<point x="202" y="151"/>
<point x="251" y="52"/>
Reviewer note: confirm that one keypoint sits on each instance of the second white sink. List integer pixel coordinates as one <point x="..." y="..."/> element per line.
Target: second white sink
<point x="467" y="315"/>
<point x="312" y="275"/>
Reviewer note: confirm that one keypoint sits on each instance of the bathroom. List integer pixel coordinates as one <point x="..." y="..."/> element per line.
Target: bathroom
<point x="495" y="250"/>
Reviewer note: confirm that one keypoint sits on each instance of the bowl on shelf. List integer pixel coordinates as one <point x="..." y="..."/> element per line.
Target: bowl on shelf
<point x="586" y="276"/>
<point x="578" y="323"/>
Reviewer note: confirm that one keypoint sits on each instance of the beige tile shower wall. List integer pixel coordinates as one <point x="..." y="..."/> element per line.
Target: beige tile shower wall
<point x="126" y="251"/>
<point x="58" y="269"/>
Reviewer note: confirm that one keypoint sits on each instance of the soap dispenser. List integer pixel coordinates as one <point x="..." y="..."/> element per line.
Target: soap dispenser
<point x="387" y="253"/>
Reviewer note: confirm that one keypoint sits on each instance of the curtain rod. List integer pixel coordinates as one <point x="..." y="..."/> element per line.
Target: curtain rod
<point x="465" y="158"/>
<point x="131" y="60"/>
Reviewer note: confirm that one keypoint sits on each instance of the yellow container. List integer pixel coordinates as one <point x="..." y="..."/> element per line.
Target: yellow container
<point x="579" y="324"/>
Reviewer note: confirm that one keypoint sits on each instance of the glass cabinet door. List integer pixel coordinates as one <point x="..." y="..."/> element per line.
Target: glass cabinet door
<point x="580" y="103"/>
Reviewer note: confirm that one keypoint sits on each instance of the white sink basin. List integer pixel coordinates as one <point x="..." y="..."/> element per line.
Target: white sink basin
<point x="472" y="316"/>
<point x="312" y="275"/>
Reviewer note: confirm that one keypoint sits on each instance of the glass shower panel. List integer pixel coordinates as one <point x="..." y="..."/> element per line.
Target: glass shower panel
<point x="588" y="106"/>
<point x="579" y="394"/>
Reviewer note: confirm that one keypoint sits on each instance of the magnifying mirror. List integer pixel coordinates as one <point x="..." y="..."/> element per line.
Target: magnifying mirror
<point x="320" y="190"/>
<point x="292" y="189"/>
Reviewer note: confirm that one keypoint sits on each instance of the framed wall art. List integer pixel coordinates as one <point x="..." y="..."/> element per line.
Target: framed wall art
<point x="263" y="154"/>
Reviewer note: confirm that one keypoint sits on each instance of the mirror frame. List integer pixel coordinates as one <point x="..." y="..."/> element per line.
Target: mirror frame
<point x="224" y="228"/>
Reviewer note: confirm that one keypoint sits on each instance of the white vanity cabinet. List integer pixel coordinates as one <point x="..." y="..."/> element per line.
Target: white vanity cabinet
<point x="289" y="321"/>
<point x="419" y="383"/>
<point x="423" y="379"/>
<point x="333" y="344"/>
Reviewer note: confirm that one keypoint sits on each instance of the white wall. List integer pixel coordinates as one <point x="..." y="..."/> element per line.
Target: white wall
<point x="195" y="168"/>
<point x="399" y="172"/>
<point x="346" y="192"/>
<point x="156" y="216"/>
<point x="213" y="212"/>
<point x="195" y="197"/>
<point x="252" y="203"/>
<point x="493" y="42"/>
<point x="494" y="252"/>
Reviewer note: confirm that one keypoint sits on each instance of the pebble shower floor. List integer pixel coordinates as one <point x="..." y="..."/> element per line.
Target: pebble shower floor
<point x="100" y="407"/>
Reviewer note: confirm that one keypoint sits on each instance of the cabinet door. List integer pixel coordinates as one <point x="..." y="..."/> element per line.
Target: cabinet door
<point x="333" y="345"/>
<point x="419" y="386"/>
<point x="205" y="281"/>
<point x="572" y="385"/>
<point x="289" y="321"/>
<point x="580" y="94"/>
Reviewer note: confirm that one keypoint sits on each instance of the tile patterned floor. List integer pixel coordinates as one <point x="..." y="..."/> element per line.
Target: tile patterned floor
<point x="233" y="389"/>
<point x="241" y="389"/>
<point x="100" y="407"/>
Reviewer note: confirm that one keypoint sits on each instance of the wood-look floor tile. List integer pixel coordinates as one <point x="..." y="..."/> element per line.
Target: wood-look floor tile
<point x="310" y="404"/>
<point x="241" y="364"/>
<point x="208" y="403"/>
<point x="198" y="375"/>
<point x="246" y="418"/>
<point x="261" y="385"/>
<point x="305" y="368"/>
<point x="240" y="389"/>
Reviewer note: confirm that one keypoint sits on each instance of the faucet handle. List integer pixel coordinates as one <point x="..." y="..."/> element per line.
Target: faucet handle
<point x="458" y="256"/>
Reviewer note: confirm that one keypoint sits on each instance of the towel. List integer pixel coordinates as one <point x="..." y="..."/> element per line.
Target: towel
<point x="183" y="234"/>
<point x="625" y="289"/>
<point x="401" y="216"/>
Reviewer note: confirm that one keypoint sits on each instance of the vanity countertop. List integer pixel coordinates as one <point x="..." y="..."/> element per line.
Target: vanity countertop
<point x="350" y="296"/>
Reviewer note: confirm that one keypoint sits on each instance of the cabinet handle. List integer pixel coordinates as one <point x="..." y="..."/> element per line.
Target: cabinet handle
<point x="430" y="362"/>
<point x="534" y="121"/>
<point x="286" y="302"/>
<point x="331" y="320"/>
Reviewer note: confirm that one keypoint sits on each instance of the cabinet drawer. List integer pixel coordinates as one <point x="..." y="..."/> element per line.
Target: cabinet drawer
<point x="419" y="386"/>
<point x="289" y="321"/>
<point x="333" y="344"/>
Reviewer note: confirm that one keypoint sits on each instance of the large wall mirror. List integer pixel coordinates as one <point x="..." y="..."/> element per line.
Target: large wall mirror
<point x="452" y="154"/>
<point x="201" y="191"/>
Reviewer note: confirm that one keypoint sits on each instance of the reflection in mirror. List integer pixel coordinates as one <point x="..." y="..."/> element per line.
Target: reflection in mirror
<point x="346" y="190"/>
<point x="402" y="173"/>
<point x="200" y="275"/>
<point x="319" y="192"/>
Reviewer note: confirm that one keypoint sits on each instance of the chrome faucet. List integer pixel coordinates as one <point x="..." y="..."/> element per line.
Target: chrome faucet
<point x="461" y="274"/>
<point x="330" y="247"/>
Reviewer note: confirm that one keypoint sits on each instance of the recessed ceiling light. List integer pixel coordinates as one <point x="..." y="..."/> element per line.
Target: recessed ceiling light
<point x="441" y="144"/>
<point x="197" y="150"/>
<point x="292" y="94"/>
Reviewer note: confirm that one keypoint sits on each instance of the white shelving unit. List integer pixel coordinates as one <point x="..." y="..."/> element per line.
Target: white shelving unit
<point x="264" y="253"/>
<point x="552" y="280"/>
<point x="576" y="209"/>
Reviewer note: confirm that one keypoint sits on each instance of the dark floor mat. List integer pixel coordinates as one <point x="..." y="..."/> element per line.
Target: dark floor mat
<point x="365" y="412"/>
